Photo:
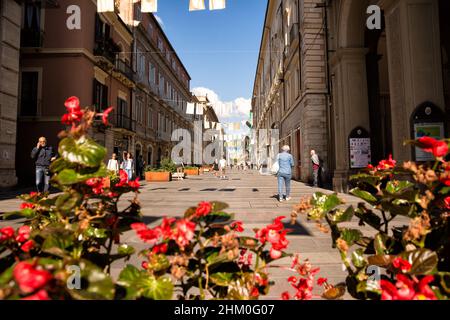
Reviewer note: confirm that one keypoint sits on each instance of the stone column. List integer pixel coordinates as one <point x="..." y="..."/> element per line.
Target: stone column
<point x="415" y="69"/>
<point x="10" y="19"/>
<point x="350" y="106"/>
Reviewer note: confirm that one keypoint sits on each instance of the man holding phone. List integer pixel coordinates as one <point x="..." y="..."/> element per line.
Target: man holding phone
<point x="43" y="155"/>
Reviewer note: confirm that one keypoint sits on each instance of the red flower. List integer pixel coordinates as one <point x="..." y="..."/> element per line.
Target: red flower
<point x="285" y="296"/>
<point x="40" y="295"/>
<point x="447" y="203"/>
<point x="203" y="209"/>
<point x="254" y="292"/>
<point x="147" y="235"/>
<point x="407" y="289"/>
<point x="134" y="184"/>
<point x="26" y="205"/>
<point x="144" y="265"/>
<point x="29" y="278"/>
<point x="445" y="181"/>
<point x="105" y="115"/>
<point x="387" y="164"/>
<point x="27" y="246"/>
<point x="322" y="281"/>
<point x="161" y="248"/>
<point x="401" y="264"/>
<point x="139" y="226"/>
<point x="123" y="179"/>
<point x="275" y="254"/>
<point x="292" y="280"/>
<point x="96" y="184"/>
<point x="6" y="233"/>
<point x="33" y="194"/>
<point x="72" y="103"/>
<point x="237" y="226"/>
<point x="183" y="232"/>
<point x="370" y="167"/>
<point x="71" y="117"/>
<point x="436" y="147"/>
<point x="23" y="234"/>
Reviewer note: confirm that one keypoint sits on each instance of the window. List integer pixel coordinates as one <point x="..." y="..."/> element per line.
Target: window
<point x="29" y="94"/>
<point x="150" y="30"/>
<point x="100" y="98"/>
<point x="152" y="73"/>
<point x="31" y="31"/>
<point x="149" y="117"/>
<point x="160" y="45"/>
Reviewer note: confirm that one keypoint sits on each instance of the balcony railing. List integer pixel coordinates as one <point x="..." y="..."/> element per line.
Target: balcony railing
<point x="30" y="38"/>
<point x="124" y="68"/>
<point x="124" y="122"/>
<point x="106" y="48"/>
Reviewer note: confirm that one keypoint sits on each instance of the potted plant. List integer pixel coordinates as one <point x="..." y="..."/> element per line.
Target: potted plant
<point x="191" y="171"/>
<point x="161" y="174"/>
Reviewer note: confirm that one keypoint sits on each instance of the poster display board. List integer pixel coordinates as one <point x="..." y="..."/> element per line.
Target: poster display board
<point x="359" y="149"/>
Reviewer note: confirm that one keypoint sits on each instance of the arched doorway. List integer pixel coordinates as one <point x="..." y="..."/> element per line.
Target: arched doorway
<point x="150" y="155"/>
<point x="158" y="159"/>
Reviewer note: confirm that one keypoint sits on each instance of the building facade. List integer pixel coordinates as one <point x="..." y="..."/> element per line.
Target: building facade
<point x="290" y="89"/>
<point x="357" y="93"/>
<point x="109" y="61"/>
<point x="10" y="22"/>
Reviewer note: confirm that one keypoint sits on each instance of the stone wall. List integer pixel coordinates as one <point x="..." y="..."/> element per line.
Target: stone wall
<point x="10" y="19"/>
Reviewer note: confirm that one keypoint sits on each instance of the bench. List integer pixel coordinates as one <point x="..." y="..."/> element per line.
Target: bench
<point x="178" y="175"/>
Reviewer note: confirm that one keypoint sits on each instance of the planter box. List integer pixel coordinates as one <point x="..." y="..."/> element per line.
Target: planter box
<point x="191" y="172"/>
<point x="157" y="176"/>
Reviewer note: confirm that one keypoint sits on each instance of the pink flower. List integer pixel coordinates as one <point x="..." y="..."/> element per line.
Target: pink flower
<point x="322" y="281"/>
<point x="407" y="289"/>
<point x="184" y="232"/>
<point x="23" y="234"/>
<point x="285" y="296"/>
<point x="72" y="103"/>
<point x="237" y="226"/>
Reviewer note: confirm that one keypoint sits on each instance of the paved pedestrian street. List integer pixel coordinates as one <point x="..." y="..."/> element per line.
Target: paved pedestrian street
<point x="252" y="198"/>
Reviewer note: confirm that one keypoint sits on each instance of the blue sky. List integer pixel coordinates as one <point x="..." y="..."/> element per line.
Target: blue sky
<point x="218" y="48"/>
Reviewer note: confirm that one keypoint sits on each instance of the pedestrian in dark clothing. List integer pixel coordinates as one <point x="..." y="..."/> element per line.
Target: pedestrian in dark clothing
<point x="140" y="163"/>
<point x="43" y="155"/>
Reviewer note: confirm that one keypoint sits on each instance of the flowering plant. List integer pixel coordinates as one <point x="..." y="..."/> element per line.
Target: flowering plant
<point x="415" y="258"/>
<point x="81" y="226"/>
<point x="204" y="255"/>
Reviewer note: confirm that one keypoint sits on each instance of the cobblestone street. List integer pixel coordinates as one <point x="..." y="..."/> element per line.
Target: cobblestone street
<point x="251" y="197"/>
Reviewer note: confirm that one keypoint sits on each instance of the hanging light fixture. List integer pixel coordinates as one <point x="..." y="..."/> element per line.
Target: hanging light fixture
<point x="196" y="5"/>
<point x="105" y="6"/>
<point x="149" y="5"/>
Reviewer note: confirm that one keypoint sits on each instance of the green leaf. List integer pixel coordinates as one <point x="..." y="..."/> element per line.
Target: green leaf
<point x="423" y="261"/>
<point x="6" y="276"/>
<point x="380" y="243"/>
<point x="126" y="250"/>
<point x="380" y="260"/>
<point x="341" y="215"/>
<point x="99" y="283"/>
<point x="69" y="176"/>
<point x="219" y="206"/>
<point x="366" y="178"/>
<point x="364" y="195"/>
<point x="156" y="289"/>
<point x="84" y="151"/>
<point x="358" y="259"/>
<point x="96" y="233"/>
<point x="350" y="235"/>
<point x="68" y="201"/>
<point x="221" y="279"/>
<point x="59" y="238"/>
<point x="368" y="216"/>
<point x="218" y="217"/>
<point x="129" y="275"/>
<point x="325" y="202"/>
<point x="25" y="213"/>
<point x="394" y="187"/>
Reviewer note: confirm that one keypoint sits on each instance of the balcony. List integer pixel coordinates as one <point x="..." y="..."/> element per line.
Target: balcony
<point x="106" y="48"/>
<point x="30" y="38"/>
<point x="125" y="69"/>
<point x="123" y="122"/>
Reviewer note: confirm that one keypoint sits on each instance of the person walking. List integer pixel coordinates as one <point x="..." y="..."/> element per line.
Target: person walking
<point x="222" y="167"/>
<point x="129" y="166"/>
<point x="285" y="163"/>
<point x="316" y="167"/>
<point x="140" y="163"/>
<point x="43" y="155"/>
<point x="113" y="164"/>
<point x="216" y="168"/>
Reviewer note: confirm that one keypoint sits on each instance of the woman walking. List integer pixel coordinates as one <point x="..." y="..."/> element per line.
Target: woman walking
<point x="113" y="164"/>
<point x="129" y="166"/>
<point x="286" y="163"/>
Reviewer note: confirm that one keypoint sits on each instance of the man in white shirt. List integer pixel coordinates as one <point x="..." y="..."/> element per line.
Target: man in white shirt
<point x="222" y="166"/>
